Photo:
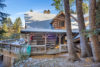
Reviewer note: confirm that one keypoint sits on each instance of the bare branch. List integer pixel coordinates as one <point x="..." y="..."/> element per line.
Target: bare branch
<point x="74" y="18"/>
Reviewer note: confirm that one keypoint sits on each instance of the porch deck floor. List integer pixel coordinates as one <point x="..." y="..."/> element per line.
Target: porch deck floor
<point x="49" y="52"/>
<point x="53" y="51"/>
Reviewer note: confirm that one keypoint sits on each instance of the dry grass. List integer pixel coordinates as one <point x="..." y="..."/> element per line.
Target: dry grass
<point x="59" y="60"/>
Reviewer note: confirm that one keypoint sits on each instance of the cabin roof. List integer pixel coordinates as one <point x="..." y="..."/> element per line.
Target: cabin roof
<point x="39" y="20"/>
<point x="40" y="24"/>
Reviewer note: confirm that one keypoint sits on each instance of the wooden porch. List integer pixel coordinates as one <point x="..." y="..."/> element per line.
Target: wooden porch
<point x="12" y="50"/>
<point x="42" y="49"/>
<point x="46" y="43"/>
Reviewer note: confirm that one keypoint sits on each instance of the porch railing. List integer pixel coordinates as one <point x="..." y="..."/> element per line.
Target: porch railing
<point x="44" y="49"/>
<point x="38" y="49"/>
<point x="11" y="50"/>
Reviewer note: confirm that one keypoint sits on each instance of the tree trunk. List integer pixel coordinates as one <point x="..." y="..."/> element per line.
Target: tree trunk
<point x="93" y="37"/>
<point x="85" y="47"/>
<point x="72" y="53"/>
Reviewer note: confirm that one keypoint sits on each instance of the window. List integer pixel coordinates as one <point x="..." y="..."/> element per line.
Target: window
<point x="62" y="24"/>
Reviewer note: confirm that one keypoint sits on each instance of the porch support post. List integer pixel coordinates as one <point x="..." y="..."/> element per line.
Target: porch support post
<point x="45" y="42"/>
<point x="59" y="42"/>
<point x="28" y="38"/>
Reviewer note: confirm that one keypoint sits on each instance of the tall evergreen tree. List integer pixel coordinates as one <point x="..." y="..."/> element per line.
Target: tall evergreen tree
<point x="4" y="20"/>
<point x="5" y="28"/>
<point x="18" y="29"/>
<point x="31" y="10"/>
<point x="18" y="21"/>
<point x="9" y="22"/>
<point x="17" y="25"/>
<point x="14" y="26"/>
<point x="2" y="14"/>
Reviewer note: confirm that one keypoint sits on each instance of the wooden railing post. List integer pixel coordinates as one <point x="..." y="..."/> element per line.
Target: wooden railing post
<point x="10" y="49"/>
<point x="45" y="42"/>
<point x="59" y="42"/>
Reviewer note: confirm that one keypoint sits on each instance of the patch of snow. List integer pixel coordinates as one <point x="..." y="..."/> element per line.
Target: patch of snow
<point x="36" y="16"/>
<point x="15" y="43"/>
<point x="0" y="41"/>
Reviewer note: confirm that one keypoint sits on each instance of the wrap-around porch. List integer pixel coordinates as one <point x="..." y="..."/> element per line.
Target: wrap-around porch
<point x="46" y="43"/>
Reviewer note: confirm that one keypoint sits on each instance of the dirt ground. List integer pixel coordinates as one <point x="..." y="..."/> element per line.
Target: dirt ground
<point x="58" y="60"/>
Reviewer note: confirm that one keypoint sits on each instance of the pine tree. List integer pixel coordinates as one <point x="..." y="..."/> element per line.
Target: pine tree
<point x="14" y="26"/>
<point x="2" y="14"/>
<point x="4" y="21"/>
<point x="18" y="22"/>
<point x="9" y="22"/>
<point x="18" y="29"/>
<point x="17" y="25"/>
<point x="31" y="10"/>
<point x="5" y="28"/>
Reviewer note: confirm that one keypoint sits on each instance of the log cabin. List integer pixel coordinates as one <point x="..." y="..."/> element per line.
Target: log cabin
<point x="46" y="33"/>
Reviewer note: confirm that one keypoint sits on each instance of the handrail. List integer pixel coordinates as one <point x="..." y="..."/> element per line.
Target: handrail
<point x="11" y="48"/>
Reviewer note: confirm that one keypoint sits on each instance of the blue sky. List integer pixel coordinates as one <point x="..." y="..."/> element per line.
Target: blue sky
<point x="17" y="8"/>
